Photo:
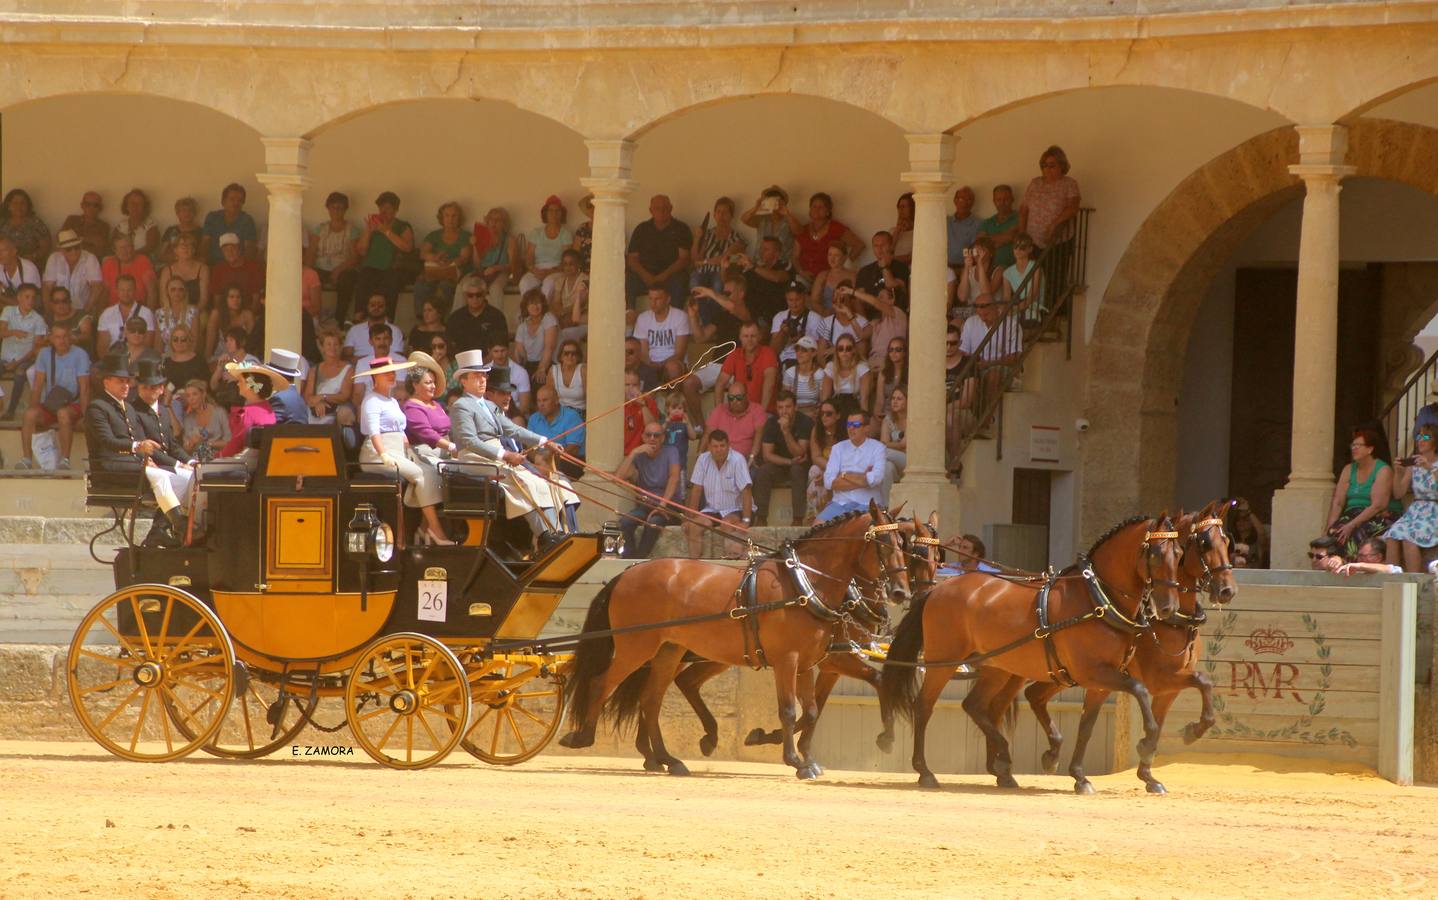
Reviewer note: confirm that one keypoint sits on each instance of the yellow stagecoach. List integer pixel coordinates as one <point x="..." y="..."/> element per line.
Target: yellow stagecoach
<point x="304" y="588"/>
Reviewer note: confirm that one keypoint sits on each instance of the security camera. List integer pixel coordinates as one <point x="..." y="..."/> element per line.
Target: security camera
<point x="1081" y="424"/>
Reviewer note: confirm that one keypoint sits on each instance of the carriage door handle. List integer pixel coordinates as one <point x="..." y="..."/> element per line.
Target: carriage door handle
<point x="262" y="587"/>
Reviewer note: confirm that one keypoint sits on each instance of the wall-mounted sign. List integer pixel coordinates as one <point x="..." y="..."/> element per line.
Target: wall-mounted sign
<point x="1044" y="443"/>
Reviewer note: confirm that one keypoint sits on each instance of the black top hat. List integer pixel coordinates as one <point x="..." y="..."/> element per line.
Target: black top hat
<point x="499" y="380"/>
<point x="150" y="370"/>
<point x="115" y="365"/>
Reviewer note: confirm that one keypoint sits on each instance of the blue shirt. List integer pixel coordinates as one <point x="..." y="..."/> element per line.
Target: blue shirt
<point x="216" y="227"/>
<point x="68" y="368"/>
<point x="962" y="233"/>
<point x="566" y="420"/>
<point x="289" y="406"/>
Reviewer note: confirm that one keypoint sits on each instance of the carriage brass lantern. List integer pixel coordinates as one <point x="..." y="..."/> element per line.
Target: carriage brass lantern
<point x="366" y="533"/>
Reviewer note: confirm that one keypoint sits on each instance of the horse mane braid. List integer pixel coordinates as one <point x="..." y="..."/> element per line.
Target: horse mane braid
<point x="1115" y="530"/>
<point x="837" y="520"/>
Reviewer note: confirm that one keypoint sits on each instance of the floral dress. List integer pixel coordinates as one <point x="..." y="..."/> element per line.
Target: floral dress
<point x="1420" y="523"/>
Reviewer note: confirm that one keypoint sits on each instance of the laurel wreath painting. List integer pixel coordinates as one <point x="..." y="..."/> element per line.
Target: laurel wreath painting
<point x="1300" y="729"/>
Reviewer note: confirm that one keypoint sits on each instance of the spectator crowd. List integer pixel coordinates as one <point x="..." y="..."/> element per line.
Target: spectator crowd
<point x="815" y="397"/>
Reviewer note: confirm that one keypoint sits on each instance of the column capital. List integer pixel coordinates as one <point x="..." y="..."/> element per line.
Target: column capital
<point x="931" y="162"/>
<point x="616" y="190"/>
<point x="1318" y="173"/>
<point x="286" y="155"/>
<point x="610" y="158"/>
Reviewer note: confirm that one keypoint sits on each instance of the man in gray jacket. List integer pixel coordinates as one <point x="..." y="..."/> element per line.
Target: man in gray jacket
<point x="478" y="426"/>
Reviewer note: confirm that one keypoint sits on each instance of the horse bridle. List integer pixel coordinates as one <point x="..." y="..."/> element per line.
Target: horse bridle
<point x="1150" y="540"/>
<point x="885" y="557"/>
<point x="1199" y="534"/>
<point x="929" y="540"/>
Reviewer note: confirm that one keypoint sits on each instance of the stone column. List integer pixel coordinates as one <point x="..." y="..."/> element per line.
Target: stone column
<point x="925" y="485"/>
<point x="610" y="164"/>
<point x="286" y="165"/>
<point x="1300" y="509"/>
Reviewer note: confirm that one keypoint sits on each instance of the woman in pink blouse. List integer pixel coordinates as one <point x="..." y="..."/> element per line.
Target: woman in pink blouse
<point x="256" y="383"/>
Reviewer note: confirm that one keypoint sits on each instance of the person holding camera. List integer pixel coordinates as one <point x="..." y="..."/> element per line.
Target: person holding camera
<point x="766" y="280"/>
<point x="885" y="271"/>
<point x="770" y="217"/>
<point x="799" y="321"/>
<point x="383" y="241"/>
<point x="1417" y="529"/>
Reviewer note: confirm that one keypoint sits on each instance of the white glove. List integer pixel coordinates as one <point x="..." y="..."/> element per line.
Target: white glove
<point x="386" y="459"/>
<point x="542" y="442"/>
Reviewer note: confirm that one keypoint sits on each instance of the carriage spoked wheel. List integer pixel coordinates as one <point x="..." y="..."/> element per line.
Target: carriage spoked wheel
<point x="407" y="701"/>
<point x="266" y="714"/>
<point x="517" y="709"/>
<point x="146" y="659"/>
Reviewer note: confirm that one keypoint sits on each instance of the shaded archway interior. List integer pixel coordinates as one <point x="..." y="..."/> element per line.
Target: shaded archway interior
<point x="59" y="147"/>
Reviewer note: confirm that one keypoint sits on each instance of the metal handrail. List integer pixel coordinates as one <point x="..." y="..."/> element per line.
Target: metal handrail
<point x="1062" y="277"/>
<point x="1400" y="412"/>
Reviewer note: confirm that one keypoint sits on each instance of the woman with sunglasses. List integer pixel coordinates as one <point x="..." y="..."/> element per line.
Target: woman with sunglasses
<point x="1363" y="506"/>
<point x="439" y="351"/>
<point x="805" y="379"/>
<point x="567" y="377"/>
<point x="845" y="320"/>
<point x="1051" y="201"/>
<point x="191" y="272"/>
<point x="1417" y="529"/>
<point x="183" y="362"/>
<point x="894" y="372"/>
<point x="431" y="323"/>
<point x="175" y="310"/>
<point x="847" y="374"/>
<point x="828" y="430"/>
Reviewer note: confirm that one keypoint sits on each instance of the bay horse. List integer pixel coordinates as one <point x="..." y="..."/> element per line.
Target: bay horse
<point x="1075" y="627"/>
<point x="770" y="614"/>
<point x="868" y="623"/>
<point x="1165" y="657"/>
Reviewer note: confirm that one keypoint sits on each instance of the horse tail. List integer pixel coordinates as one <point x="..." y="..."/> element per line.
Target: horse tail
<point x="593" y="657"/>
<point x="623" y="704"/>
<point x="899" y="683"/>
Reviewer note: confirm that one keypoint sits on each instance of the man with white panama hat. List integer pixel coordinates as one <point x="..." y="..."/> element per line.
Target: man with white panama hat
<point x="478" y="425"/>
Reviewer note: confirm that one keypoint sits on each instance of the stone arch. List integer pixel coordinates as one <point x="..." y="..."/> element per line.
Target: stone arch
<point x="191" y="103"/>
<point x="1136" y="355"/>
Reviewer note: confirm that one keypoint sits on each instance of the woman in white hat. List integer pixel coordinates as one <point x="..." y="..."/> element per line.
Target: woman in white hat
<point x="385" y="446"/>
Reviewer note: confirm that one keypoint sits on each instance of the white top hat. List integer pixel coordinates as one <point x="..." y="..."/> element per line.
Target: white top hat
<point x="470" y="361"/>
<point x="285" y="362"/>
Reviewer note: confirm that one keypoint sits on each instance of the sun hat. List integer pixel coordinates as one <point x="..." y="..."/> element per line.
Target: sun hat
<point x="425" y="361"/>
<point x="383" y="364"/>
<point x="67" y="239"/>
<point x="248" y="371"/>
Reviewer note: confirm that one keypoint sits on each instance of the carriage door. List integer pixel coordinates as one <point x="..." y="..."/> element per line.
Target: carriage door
<point x="300" y="545"/>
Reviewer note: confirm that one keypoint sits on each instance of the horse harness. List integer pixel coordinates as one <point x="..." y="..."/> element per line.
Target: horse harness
<point x="746" y="605"/>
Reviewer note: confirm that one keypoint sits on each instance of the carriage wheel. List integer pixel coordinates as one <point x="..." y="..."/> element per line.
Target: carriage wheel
<point x="266" y="716"/>
<point x="513" y="725"/>
<point x="146" y="657"/>
<point x="406" y="700"/>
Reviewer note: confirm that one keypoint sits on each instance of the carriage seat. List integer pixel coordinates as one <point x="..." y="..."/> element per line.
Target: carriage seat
<point x="225" y="474"/>
<point x="112" y="490"/>
<point x="361" y="479"/>
<point x="471" y="489"/>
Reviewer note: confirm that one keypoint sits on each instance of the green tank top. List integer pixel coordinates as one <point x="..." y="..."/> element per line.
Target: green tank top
<point x="1360" y="494"/>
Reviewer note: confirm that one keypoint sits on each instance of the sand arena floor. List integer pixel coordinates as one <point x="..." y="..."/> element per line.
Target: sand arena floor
<point x="75" y="821"/>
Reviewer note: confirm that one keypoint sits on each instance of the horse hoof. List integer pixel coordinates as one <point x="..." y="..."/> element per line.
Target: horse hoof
<point x="653" y="765"/>
<point x="678" y="768"/>
<point x="575" y="741"/>
<point x="1007" y="781"/>
<point x="707" y="744"/>
<point x="1050" y="762"/>
<point x="927" y="780"/>
<point x="755" y="737"/>
<point x="885" y="742"/>
<point x="808" y="773"/>
<point x="1083" y="788"/>
<point x="1154" y="787"/>
<point x="816" y="768"/>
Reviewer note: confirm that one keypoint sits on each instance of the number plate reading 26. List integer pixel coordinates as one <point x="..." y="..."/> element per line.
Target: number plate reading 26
<point x="433" y="598"/>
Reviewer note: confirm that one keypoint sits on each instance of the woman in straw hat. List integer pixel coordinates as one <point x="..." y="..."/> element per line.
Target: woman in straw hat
<point x="257" y="383"/>
<point x="385" y="446"/>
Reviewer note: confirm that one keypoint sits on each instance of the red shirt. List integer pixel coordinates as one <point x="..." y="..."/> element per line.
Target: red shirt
<point x="743" y="429"/>
<point x="138" y="268"/>
<point x="248" y="275"/>
<point x="814" y="252"/>
<point x="751" y="374"/>
<point x="634" y="423"/>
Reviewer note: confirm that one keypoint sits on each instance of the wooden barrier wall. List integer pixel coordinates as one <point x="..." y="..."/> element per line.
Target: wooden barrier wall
<point x="1324" y="669"/>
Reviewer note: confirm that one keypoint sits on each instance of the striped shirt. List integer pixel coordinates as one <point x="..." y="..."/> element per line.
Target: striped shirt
<point x="723" y="485"/>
